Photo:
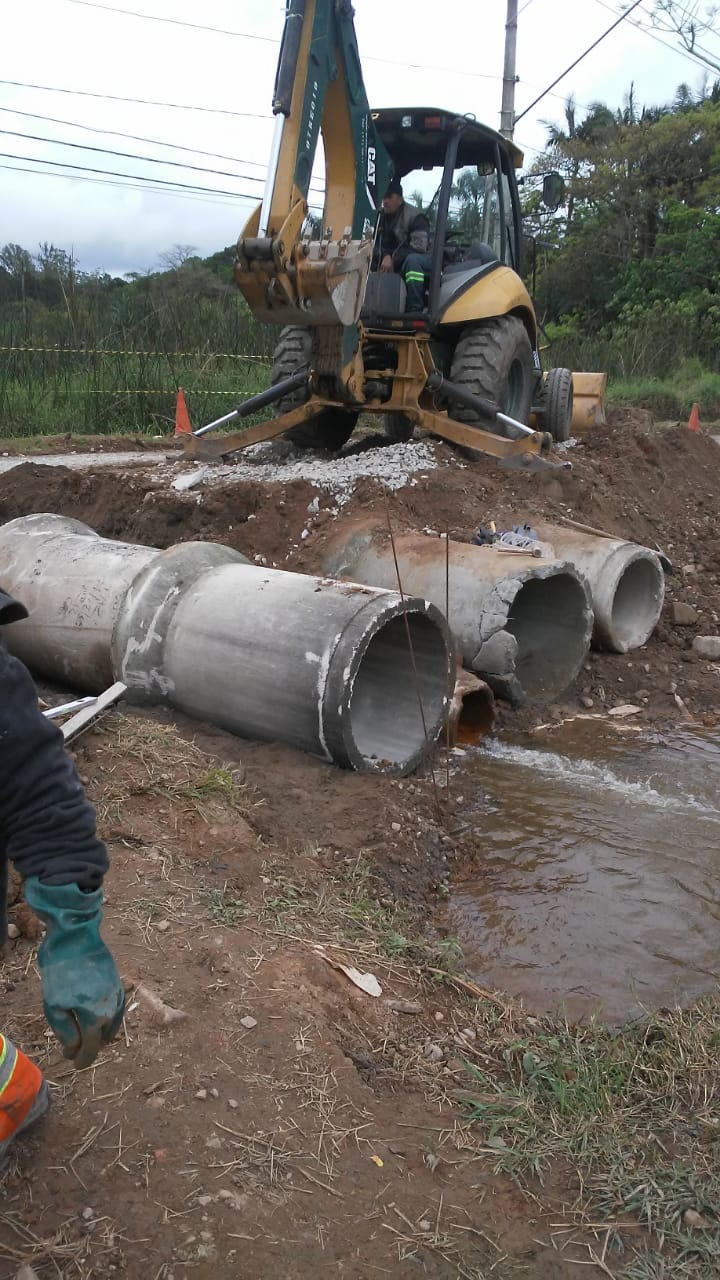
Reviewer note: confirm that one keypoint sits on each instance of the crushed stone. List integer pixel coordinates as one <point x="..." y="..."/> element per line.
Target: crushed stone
<point x="395" y="465"/>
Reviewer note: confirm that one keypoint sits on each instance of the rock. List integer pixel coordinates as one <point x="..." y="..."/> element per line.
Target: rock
<point x="87" y="1213"/>
<point x="189" y="480"/>
<point x="439" y="1017"/>
<point x="233" y="1102"/>
<point x="692" y="1218"/>
<point x="13" y="931"/>
<point x="405" y="1006"/>
<point x="683" y="615"/>
<point x="204" y="1201"/>
<point x="214" y="1093"/>
<point x="433" y="1052"/>
<point x="395" y="826"/>
<point x="162" y="926"/>
<point x="424" y="1225"/>
<point x="587" y="702"/>
<point x="201" y="1094"/>
<point x="707" y="647"/>
<point x="248" y="1023"/>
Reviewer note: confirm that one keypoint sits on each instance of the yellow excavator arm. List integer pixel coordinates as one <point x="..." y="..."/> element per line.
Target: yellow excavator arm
<point x="286" y="276"/>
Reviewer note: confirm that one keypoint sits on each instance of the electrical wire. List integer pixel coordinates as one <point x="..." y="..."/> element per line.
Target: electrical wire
<point x="146" y="185"/>
<point x="589" y="49"/>
<point x="64" y="164"/>
<point x="130" y="155"/>
<point x="249" y="35"/>
<point x="175" y="22"/>
<point x="73" y="124"/>
<point x="652" y="35"/>
<point x="141" y="102"/>
<point x="145" y="189"/>
<point x="133" y="137"/>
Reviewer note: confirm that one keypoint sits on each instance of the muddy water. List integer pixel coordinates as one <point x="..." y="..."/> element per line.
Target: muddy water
<point x="597" y="884"/>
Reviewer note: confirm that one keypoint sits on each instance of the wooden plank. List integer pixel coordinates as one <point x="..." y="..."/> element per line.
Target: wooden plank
<point x="79" y="723"/>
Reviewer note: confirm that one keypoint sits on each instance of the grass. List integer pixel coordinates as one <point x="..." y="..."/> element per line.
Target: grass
<point x="116" y="395"/>
<point x="164" y="765"/>
<point x="345" y="907"/>
<point x="672" y="396"/>
<point x="633" y="1115"/>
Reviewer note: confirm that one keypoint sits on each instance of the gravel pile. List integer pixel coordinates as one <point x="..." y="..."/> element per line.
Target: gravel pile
<point x="394" y="464"/>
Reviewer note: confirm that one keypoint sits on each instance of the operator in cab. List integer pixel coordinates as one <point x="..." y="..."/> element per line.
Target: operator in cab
<point x="403" y="243"/>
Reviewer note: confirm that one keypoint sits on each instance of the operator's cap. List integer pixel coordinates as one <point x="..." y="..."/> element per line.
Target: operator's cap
<point x="394" y="188"/>
<point x="10" y="610"/>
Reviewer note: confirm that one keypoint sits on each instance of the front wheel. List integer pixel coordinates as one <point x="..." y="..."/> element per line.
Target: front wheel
<point x="557" y="418"/>
<point x="494" y="360"/>
<point x="329" y="429"/>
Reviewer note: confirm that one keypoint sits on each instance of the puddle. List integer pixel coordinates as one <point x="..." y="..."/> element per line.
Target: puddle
<point x="597" y="882"/>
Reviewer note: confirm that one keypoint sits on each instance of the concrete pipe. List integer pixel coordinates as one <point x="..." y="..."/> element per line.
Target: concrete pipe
<point x="627" y="584"/>
<point x="73" y="584"/>
<point x="522" y="624"/>
<point x="356" y="675"/>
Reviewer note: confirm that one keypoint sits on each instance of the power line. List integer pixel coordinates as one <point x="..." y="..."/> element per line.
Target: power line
<point x="158" y="185"/>
<point x="134" y="137"/>
<point x="590" y="48"/>
<point x="83" y="168"/>
<point x="145" y="189"/>
<point x="157" y="142"/>
<point x="249" y="35"/>
<point x="175" y="22"/>
<point x="652" y="35"/>
<point x="141" y="102"/>
<point x="131" y="155"/>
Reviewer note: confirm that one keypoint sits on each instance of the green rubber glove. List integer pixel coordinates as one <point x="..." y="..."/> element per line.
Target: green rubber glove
<point x="83" y="996"/>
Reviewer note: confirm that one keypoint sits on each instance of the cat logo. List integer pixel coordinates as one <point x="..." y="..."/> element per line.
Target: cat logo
<point x="371" y="166"/>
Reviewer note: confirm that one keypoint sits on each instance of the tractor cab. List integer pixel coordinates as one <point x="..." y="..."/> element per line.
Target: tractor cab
<point x="461" y="176"/>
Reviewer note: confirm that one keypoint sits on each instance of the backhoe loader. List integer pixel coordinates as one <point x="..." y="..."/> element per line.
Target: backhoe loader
<point x="466" y="367"/>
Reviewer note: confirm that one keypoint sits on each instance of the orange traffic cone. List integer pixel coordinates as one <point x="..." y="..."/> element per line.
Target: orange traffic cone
<point x="694" y="419"/>
<point x="182" y="417"/>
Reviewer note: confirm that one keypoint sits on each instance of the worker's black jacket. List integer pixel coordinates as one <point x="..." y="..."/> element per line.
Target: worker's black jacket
<point x="401" y="233"/>
<point x="47" y="827"/>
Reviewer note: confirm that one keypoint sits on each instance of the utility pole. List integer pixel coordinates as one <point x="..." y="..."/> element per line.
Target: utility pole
<point x="507" y="111"/>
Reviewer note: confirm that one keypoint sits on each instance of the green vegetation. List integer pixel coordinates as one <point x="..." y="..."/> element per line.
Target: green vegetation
<point x="86" y="353"/>
<point x="628" y="268"/>
<point x="631" y="1113"/>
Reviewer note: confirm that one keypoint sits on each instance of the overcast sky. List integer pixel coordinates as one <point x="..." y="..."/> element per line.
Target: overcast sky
<point x="419" y="52"/>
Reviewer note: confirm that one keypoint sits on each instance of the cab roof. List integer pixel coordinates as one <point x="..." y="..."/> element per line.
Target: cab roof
<point x="417" y="138"/>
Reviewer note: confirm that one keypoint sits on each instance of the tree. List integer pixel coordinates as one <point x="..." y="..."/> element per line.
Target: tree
<point x="689" y="21"/>
<point x="174" y="258"/>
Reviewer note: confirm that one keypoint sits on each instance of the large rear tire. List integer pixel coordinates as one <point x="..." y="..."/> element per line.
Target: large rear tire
<point x="331" y="428"/>
<point x="494" y="360"/>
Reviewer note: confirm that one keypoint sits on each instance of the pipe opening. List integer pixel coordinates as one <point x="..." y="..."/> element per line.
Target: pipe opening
<point x="637" y="603"/>
<point x="385" y="720"/>
<point x="477" y="716"/>
<point x="548" y="619"/>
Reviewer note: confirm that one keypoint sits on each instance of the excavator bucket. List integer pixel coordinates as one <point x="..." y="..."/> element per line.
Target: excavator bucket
<point x="588" y="401"/>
